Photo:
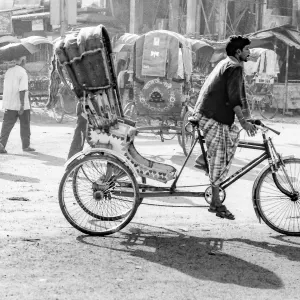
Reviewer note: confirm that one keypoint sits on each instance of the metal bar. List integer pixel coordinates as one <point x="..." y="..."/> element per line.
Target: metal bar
<point x="163" y="127"/>
<point x="241" y="172"/>
<point x="173" y="186"/>
<point x="286" y="78"/>
<point x="160" y="194"/>
<point x="252" y="147"/>
<point x="153" y="188"/>
<point x="250" y="143"/>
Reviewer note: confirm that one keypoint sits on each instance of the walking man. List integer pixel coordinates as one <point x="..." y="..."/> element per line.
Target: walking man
<point x="79" y="135"/>
<point x="221" y="99"/>
<point x="16" y="105"/>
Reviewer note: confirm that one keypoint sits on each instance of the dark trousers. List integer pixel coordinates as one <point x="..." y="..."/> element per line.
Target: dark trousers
<point x="79" y="133"/>
<point x="9" y="120"/>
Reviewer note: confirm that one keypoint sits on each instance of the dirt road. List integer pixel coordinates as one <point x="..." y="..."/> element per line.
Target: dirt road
<point x="164" y="253"/>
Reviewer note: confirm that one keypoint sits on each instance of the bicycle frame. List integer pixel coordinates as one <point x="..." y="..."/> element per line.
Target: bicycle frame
<point x="239" y="173"/>
<point x="269" y="153"/>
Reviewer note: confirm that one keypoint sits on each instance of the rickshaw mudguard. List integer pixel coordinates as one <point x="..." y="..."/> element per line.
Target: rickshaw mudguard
<point x="256" y="183"/>
<point x="90" y="151"/>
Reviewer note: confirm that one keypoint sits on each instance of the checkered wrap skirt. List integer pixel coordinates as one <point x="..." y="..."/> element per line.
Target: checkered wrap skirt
<point x="221" y="142"/>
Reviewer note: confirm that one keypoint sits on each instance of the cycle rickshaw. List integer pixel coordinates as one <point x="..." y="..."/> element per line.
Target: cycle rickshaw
<point x="123" y="57"/>
<point x="202" y="53"/>
<point x="162" y="68"/>
<point x="102" y="187"/>
<point x="261" y="72"/>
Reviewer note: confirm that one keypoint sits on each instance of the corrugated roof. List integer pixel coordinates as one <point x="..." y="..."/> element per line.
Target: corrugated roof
<point x="30" y="17"/>
<point x="294" y="34"/>
<point x="198" y="44"/>
<point x="285" y="33"/>
<point x="286" y="40"/>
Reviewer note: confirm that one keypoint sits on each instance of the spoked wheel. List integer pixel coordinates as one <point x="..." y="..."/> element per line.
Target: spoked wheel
<point x="187" y="134"/>
<point x="208" y="195"/>
<point x="58" y="109"/>
<point x="278" y="211"/>
<point x="168" y="134"/>
<point x="90" y="195"/>
<point x="268" y="106"/>
<point x="179" y="136"/>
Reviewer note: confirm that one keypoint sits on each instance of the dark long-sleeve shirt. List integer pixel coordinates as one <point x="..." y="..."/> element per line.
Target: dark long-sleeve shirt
<point x="222" y="91"/>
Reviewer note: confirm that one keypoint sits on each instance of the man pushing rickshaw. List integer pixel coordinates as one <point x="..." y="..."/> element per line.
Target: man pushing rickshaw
<point x="221" y="98"/>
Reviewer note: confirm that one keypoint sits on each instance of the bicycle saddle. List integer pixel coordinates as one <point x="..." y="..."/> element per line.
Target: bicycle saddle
<point x="194" y="121"/>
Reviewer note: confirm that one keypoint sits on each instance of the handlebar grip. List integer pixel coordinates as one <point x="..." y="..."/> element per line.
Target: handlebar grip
<point x="275" y="131"/>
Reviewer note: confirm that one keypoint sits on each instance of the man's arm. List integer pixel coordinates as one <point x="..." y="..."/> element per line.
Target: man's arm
<point x="22" y="100"/>
<point x="234" y="90"/>
<point x="250" y="128"/>
<point x="234" y="86"/>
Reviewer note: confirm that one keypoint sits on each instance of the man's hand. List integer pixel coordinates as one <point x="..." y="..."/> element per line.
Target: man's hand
<point x="250" y="128"/>
<point x="20" y="112"/>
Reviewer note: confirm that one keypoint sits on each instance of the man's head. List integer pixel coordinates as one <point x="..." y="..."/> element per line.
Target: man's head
<point x="21" y="61"/>
<point x="238" y="46"/>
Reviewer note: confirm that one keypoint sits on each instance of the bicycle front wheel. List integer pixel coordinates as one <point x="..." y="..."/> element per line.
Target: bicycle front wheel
<point x="277" y="210"/>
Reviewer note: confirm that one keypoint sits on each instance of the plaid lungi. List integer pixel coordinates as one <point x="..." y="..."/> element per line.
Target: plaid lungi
<point x="221" y="142"/>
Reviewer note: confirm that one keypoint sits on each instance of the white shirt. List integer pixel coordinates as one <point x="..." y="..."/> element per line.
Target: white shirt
<point x="15" y="81"/>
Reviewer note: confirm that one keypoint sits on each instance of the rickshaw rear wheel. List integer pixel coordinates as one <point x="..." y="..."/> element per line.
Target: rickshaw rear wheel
<point x="90" y="195"/>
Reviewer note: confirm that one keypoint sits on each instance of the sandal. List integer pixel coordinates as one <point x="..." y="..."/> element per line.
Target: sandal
<point x="224" y="213"/>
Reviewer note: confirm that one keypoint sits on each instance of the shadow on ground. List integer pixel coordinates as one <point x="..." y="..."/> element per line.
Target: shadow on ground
<point x="49" y="160"/>
<point x="18" y="178"/>
<point x="201" y="258"/>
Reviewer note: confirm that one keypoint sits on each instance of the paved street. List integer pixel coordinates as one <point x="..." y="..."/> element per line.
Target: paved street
<point x="164" y="253"/>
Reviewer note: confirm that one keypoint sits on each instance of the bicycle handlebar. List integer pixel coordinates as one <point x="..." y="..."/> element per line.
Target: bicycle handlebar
<point x="260" y="123"/>
<point x="257" y="122"/>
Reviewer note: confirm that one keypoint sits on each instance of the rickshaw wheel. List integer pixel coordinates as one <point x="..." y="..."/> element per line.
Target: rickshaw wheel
<point x="179" y="137"/>
<point x="90" y="195"/>
<point x="58" y="109"/>
<point x="268" y="106"/>
<point x="187" y="137"/>
<point x="166" y="135"/>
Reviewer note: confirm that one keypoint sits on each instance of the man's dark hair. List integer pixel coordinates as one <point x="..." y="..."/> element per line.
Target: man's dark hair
<point x="236" y="42"/>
